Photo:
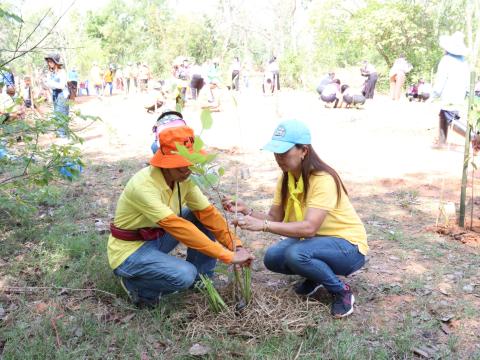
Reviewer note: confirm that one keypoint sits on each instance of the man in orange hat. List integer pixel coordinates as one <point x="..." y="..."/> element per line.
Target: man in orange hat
<point x="150" y="221"/>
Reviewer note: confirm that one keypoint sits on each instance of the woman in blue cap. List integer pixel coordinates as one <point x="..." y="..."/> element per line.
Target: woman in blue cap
<point x="323" y="235"/>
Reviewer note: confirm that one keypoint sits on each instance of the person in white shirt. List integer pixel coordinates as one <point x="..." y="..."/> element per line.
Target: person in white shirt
<point x="57" y="83"/>
<point x="9" y="109"/>
<point x="424" y="90"/>
<point x="274" y="68"/>
<point x="331" y="93"/>
<point x="397" y="76"/>
<point x="451" y="85"/>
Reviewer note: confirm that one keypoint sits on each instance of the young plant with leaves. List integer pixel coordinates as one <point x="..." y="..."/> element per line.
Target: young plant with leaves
<point x="29" y="160"/>
<point x="207" y="288"/>
<point x="206" y="175"/>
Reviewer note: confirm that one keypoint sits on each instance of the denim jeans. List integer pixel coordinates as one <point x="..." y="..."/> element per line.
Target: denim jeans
<point x="319" y="259"/>
<point x="110" y="87"/>
<point x="60" y="109"/>
<point x="150" y="272"/>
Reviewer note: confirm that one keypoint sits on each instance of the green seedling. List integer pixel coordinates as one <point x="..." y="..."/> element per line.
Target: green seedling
<point x="247" y="283"/>
<point x="215" y="301"/>
<point x="207" y="176"/>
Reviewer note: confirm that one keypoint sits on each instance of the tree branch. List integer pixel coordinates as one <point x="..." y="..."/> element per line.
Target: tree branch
<point x="26" y="176"/>
<point x="18" y="37"/>
<point x="44" y="48"/>
<point x="41" y="40"/>
<point x="34" y="29"/>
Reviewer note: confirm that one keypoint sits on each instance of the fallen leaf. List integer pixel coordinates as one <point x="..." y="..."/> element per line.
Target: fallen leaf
<point x="199" y="350"/>
<point x="446" y="329"/>
<point x="426" y="351"/>
<point x="447" y="318"/>
<point x="107" y="317"/>
<point x="444" y="288"/>
<point x="421" y="352"/>
<point x="41" y="307"/>
<point x="127" y="318"/>
<point x="454" y="324"/>
<point x="144" y="356"/>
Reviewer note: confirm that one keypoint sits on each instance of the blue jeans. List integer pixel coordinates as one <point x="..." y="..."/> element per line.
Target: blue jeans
<point x="60" y="109"/>
<point x="110" y="87"/>
<point x="319" y="259"/>
<point x="150" y="272"/>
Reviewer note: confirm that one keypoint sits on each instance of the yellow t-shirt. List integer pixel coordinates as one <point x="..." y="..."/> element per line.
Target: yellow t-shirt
<point x="108" y="76"/>
<point x="341" y="221"/>
<point x="146" y="200"/>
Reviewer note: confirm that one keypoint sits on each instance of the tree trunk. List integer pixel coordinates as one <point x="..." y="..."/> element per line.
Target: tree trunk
<point x="466" y="156"/>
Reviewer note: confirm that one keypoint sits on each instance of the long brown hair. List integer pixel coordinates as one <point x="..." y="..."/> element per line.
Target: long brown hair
<point x="312" y="165"/>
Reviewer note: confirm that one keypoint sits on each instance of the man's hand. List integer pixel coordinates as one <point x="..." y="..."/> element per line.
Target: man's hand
<point x="229" y="205"/>
<point x="243" y="257"/>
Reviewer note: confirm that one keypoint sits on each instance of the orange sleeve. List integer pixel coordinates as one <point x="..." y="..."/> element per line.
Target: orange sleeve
<point x="188" y="234"/>
<point x="211" y="218"/>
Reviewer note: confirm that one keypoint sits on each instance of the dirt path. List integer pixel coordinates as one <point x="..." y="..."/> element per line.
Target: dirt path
<point x="386" y="144"/>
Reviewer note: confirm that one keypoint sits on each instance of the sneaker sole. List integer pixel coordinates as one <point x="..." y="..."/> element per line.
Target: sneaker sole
<point x="338" y="316"/>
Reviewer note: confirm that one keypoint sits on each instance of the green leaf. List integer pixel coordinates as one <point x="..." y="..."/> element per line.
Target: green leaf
<point x="197" y="158"/>
<point x="206" y="118"/>
<point x="197" y="180"/>
<point x="212" y="179"/>
<point x="198" y="143"/>
<point x="6" y="14"/>
<point x="197" y="170"/>
<point x="221" y="171"/>
<point x="210" y="157"/>
<point x="183" y="151"/>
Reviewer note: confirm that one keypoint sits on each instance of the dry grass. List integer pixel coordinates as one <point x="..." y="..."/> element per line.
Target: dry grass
<point x="270" y="313"/>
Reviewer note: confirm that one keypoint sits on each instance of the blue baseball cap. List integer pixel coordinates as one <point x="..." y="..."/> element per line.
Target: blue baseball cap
<point x="287" y="134"/>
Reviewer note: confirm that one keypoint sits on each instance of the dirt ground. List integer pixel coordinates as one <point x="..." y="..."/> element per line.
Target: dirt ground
<point x="395" y="178"/>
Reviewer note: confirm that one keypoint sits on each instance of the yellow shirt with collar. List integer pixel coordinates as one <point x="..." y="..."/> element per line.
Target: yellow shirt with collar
<point x="341" y="221"/>
<point x="145" y="201"/>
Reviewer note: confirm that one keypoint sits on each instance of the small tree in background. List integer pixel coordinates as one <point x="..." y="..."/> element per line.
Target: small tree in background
<point x="28" y="159"/>
<point x="473" y="119"/>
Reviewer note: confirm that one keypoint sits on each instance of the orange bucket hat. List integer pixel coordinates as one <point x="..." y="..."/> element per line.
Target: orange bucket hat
<point x="166" y="155"/>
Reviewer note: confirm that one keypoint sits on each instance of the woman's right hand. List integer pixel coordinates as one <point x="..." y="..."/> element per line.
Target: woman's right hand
<point x="229" y="205"/>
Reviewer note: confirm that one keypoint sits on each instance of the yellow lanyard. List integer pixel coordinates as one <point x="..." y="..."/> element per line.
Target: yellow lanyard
<point x="293" y="193"/>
